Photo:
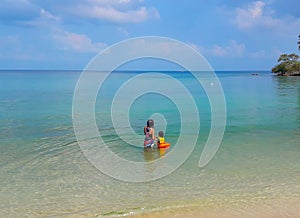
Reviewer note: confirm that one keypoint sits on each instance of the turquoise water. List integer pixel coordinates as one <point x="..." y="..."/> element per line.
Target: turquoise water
<point x="43" y="171"/>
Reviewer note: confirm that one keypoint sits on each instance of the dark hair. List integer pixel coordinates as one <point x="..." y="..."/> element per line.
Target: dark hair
<point x="150" y="123"/>
<point x="146" y="129"/>
<point x="161" y="134"/>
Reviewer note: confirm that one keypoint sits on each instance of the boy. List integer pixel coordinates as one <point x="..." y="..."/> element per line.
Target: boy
<point x="160" y="138"/>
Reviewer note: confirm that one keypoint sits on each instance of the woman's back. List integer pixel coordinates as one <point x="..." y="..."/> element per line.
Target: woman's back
<point x="149" y="133"/>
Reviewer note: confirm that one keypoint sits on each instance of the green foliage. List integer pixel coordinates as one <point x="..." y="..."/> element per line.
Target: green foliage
<point x="289" y="65"/>
<point x="299" y="42"/>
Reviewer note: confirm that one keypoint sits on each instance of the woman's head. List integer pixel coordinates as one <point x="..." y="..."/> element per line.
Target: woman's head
<point x="150" y="123"/>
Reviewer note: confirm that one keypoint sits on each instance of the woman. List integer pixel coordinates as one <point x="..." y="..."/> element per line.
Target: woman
<point x="149" y="134"/>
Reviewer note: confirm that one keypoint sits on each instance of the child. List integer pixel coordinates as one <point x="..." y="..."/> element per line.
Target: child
<point x="161" y="143"/>
<point x="160" y="138"/>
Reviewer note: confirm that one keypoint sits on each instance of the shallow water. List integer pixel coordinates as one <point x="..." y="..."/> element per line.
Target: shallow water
<point x="43" y="171"/>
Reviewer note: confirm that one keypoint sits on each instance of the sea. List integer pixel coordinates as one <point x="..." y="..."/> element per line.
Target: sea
<point x="44" y="171"/>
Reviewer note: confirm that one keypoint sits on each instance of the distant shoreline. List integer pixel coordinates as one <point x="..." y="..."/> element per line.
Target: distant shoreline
<point x="135" y="71"/>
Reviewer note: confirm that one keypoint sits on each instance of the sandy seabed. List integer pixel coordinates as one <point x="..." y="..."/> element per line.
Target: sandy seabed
<point x="284" y="208"/>
<point x="269" y="209"/>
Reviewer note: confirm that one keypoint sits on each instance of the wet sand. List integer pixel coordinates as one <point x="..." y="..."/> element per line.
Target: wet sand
<point x="269" y="209"/>
<point x="284" y="208"/>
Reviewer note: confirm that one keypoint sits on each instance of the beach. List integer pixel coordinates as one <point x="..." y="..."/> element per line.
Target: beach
<point x="255" y="172"/>
<point x="275" y="208"/>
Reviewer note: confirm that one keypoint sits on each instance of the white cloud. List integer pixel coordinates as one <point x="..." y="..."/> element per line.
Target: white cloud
<point x="114" y="2"/>
<point x="12" y="48"/>
<point x="47" y="15"/>
<point x="117" y="11"/>
<point x="258" y="54"/>
<point x="259" y="14"/>
<point x="78" y="42"/>
<point x="45" y="19"/>
<point x="255" y="14"/>
<point x="246" y="17"/>
<point x="123" y="31"/>
<point x="113" y="14"/>
<point x="232" y="50"/>
<point x="269" y="53"/>
<point x="194" y="46"/>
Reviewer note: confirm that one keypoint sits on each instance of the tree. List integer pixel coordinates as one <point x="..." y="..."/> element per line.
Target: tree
<point x="299" y="42"/>
<point x="289" y="65"/>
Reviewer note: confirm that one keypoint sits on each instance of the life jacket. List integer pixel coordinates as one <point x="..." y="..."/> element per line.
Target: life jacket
<point x="161" y="139"/>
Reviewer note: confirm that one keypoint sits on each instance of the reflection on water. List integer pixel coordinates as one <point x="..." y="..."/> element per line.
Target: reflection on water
<point x="151" y="154"/>
<point x="287" y="86"/>
<point x="288" y="90"/>
<point x="298" y="117"/>
<point x="163" y="151"/>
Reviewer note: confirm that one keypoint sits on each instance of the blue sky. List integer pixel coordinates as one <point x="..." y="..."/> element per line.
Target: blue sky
<point x="231" y="35"/>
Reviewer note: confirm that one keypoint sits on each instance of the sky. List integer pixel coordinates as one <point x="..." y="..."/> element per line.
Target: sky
<point x="230" y="34"/>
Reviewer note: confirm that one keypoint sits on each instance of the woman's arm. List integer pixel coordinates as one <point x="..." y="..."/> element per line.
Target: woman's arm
<point x="153" y="134"/>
